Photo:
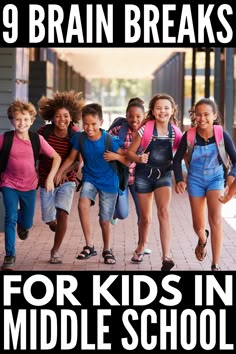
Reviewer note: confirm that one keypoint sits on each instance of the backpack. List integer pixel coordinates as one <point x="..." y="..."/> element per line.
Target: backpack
<point x="124" y="127"/>
<point x="148" y="132"/>
<point x="7" y="144"/>
<point x="219" y="138"/>
<point x="121" y="170"/>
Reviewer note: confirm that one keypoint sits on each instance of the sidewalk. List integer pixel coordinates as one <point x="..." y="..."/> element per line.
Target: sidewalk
<point x="33" y="254"/>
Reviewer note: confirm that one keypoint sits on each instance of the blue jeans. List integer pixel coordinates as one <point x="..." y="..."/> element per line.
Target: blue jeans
<point x="122" y="206"/>
<point x="107" y="201"/>
<point x="24" y="217"/>
<point x="61" y="198"/>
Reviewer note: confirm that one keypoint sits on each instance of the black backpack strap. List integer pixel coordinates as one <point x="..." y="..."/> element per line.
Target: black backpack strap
<point x="6" y="148"/>
<point x="82" y="137"/>
<point x="35" y="142"/>
<point x="108" y="146"/>
<point x="71" y="132"/>
<point x="47" y="130"/>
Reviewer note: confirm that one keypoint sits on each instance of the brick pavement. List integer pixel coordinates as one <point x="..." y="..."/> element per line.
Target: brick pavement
<point x="33" y="254"/>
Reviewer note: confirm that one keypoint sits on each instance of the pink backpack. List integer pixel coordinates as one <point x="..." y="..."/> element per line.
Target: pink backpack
<point x="148" y="132"/>
<point x="218" y="133"/>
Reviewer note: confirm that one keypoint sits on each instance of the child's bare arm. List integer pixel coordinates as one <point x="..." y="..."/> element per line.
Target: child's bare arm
<point x="49" y="183"/>
<point x="118" y="156"/>
<point x="229" y="195"/>
<point x="66" y="164"/>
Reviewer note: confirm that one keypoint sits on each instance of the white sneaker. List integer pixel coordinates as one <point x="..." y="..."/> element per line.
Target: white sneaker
<point x="114" y="221"/>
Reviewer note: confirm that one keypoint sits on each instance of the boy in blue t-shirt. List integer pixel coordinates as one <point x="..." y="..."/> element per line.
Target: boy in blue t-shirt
<point x="98" y="178"/>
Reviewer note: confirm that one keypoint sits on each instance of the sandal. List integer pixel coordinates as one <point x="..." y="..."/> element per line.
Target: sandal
<point x="109" y="256"/>
<point x="200" y="250"/>
<point x="215" y="267"/>
<point x="55" y="260"/>
<point x="137" y="257"/>
<point x="167" y="264"/>
<point x="87" y="254"/>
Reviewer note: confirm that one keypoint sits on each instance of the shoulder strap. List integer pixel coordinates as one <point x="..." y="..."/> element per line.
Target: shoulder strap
<point x="47" y="131"/>
<point x="178" y="136"/>
<point x="219" y="138"/>
<point x="123" y="130"/>
<point x="108" y="142"/>
<point x="191" y="135"/>
<point x="116" y="122"/>
<point x="35" y="142"/>
<point x="108" y="146"/>
<point x="71" y="132"/>
<point x="124" y="126"/>
<point x="6" y="148"/>
<point x="147" y="134"/>
<point x="81" y="138"/>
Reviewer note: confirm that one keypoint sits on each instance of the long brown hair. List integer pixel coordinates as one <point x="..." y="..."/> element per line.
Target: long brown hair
<point x="161" y="96"/>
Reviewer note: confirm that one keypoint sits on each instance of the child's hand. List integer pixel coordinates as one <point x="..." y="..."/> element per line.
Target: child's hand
<point x="230" y="180"/>
<point x="57" y="178"/>
<point x="180" y="187"/>
<point x="110" y="156"/>
<point x="224" y="198"/>
<point x="49" y="184"/>
<point x="143" y="158"/>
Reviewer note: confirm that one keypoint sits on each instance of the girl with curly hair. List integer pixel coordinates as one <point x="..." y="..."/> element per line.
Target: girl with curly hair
<point x="63" y="111"/>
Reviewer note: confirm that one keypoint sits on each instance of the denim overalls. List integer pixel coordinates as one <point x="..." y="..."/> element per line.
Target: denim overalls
<point x="157" y="172"/>
<point x="205" y="172"/>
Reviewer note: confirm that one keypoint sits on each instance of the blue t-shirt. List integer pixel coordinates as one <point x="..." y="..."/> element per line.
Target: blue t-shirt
<point x="96" y="170"/>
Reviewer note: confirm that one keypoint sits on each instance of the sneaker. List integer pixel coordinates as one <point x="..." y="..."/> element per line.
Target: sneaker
<point x="114" y="221"/>
<point x="8" y="263"/>
<point x="22" y="233"/>
<point x="147" y="251"/>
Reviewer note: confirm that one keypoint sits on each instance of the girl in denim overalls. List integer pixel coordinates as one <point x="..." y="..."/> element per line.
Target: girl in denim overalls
<point x="205" y="178"/>
<point x="153" y="173"/>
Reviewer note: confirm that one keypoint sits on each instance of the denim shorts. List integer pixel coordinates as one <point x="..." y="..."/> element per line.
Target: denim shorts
<point x="146" y="182"/>
<point x="107" y="201"/>
<point x="201" y="181"/>
<point x="61" y="198"/>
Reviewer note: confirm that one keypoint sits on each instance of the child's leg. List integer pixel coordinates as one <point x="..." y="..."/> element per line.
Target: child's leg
<point x="198" y="210"/>
<point x="215" y="221"/>
<point x="84" y="208"/>
<point x="27" y="208"/>
<point x="122" y="206"/>
<point x="63" y="200"/>
<point x="87" y="198"/>
<point x="135" y="199"/>
<point x="145" y="201"/>
<point x="10" y="201"/>
<point x="107" y="203"/>
<point x="163" y="199"/>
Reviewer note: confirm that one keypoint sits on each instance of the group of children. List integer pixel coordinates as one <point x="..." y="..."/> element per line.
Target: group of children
<point x="152" y="146"/>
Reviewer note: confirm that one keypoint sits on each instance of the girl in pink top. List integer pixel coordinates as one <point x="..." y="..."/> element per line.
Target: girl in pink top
<point x="19" y="181"/>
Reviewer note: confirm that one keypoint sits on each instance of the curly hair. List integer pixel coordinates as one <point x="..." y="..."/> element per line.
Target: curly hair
<point x="21" y="106"/>
<point x="209" y="102"/>
<point x="71" y="100"/>
<point x="161" y="96"/>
